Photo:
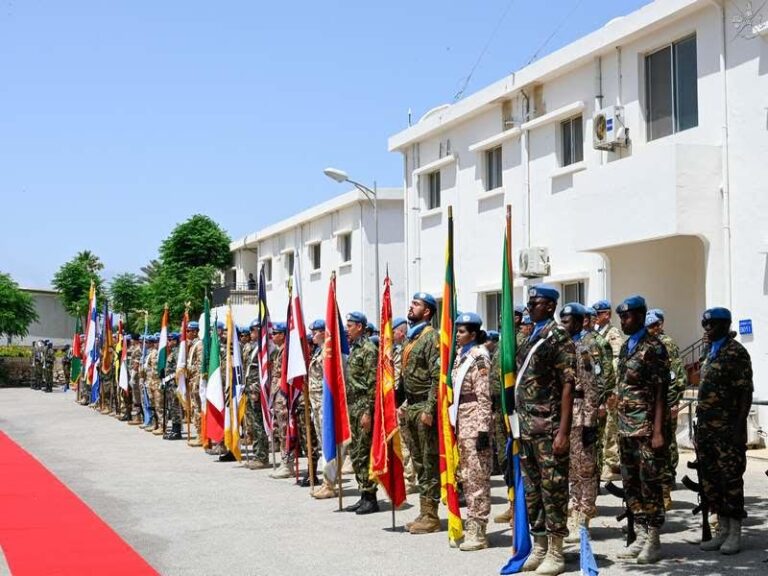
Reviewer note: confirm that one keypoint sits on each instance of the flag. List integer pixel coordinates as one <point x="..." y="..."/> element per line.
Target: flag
<point x="181" y="363"/>
<point x="265" y="347"/>
<point x="386" y="465"/>
<point x="162" y="347"/>
<point x="214" y="394"/>
<point x="233" y="386"/>
<point x="145" y="403"/>
<point x="107" y="357"/>
<point x="521" y="539"/>
<point x="118" y="347"/>
<point x="449" y="451"/>
<point x="587" y="561"/>
<point x="90" y="336"/>
<point x="77" y="353"/>
<point x="122" y="379"/>
<point x="336" y="429"/>
<point x="295" y="355"/>
<point x="205" y="337"/>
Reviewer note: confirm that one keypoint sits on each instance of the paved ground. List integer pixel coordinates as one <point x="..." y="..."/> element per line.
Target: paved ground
<point x="187" y="514"/>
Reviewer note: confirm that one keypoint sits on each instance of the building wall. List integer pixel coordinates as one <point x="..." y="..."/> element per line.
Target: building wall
<point x="53" y="323"/>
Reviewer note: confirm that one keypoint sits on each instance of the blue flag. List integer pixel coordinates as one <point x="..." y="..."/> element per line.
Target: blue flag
<point x="586" y="557"/>
<point x="522" y="535"/>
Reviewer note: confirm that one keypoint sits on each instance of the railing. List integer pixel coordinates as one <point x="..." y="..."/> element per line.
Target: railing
<point x="691" y="357"/>
<point x="235" y="293"/>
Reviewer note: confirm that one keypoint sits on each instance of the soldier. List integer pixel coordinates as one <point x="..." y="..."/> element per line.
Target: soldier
<point x="654" y="322"/>
<point x="153" y="384"/>
<point x="420" y="376"/>
<point x="280" y="405"/>
<point x="108" y="383"/>
<point x="194" y="371"/>
<point x="134" y="375"/>
<point x="399" y="331"/>
<point x="220" y="448"/>
<point x="171" y="395"/>
<point x="473" y="425"/>
<point x="66" y="365"/>
<point x="611" y="465"/>
<point x="582" y="473"/>
<point x="254" y="422"/>
<point x="37" y="365"/>
<point x="315" y="374"/>
<point x="49" y="360"/>
<point x="544" y="401"/>
<point x="361" y="390"/>
<point x="724" y="402"/>
<point x="643" y="380"/>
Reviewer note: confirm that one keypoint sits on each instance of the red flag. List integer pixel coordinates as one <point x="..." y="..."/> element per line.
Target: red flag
<point x="386" y="465"/>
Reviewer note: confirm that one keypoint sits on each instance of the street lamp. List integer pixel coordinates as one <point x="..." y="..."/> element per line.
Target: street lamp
<point x="340" y="176"/>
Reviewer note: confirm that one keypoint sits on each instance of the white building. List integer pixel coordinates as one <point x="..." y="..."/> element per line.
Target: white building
<point x="663" y="195"/>
<point x="338" y="235"/>
<point x="53" y="322"/>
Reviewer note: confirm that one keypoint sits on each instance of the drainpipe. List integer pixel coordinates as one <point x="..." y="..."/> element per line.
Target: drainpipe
<point x="526" y="170"/>
<point x="406" y="223"/>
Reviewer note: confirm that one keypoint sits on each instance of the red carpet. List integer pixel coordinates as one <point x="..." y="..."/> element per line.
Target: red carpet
<point x="45" y="529"/>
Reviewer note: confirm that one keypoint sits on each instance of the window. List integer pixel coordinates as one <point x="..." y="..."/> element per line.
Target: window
<point x="493" y="168"/>
<point x="573" y="292"/>
<point x="289" y="260"/>
<point x="573" y="141"/>
<point x="267" y="269"/>
<point x="433" y="192"/>
<point x="493" y="311"/>
<point x="345" y="247"/>
<point x="671" y="96"/>
<point x="314" y="255"/>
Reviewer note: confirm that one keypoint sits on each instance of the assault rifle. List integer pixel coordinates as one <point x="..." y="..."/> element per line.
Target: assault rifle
<point x="627" y="514"/>
<point x="703" y="505"/>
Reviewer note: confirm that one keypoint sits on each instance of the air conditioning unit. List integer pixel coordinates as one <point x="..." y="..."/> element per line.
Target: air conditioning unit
<point x="608" y="129"/>
<point x="534" y="262"/>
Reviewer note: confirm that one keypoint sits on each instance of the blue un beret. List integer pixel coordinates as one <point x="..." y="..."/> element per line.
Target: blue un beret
<point x="544" y="291"/>
<point x="357" y="317"/>
<point x="493" y="335"/>
<point x="427" y="298"/>
<point x="527" y="320"/>
<point x="601" y="305"/>
<point x="717" y="313"/>
<point x="591" y="311"/>
<point x="469" y="318"/>
<point x="519" y="310"/>
<point x="279" y="327"/>
<point x="659" y="312"/>
<point x="652" y="317"/>
<point x="372" y="326"/>
<point x="254" y="324"/>
<point x="219" y="325"/>
<point x="318" y="324"/>
<point x="193" y="325"/>
<point x="375" y="339"/>
<point x="174" y="336"/>
<point x="631" y="303"/>
<point x="573" y="308"/>
<point x="399" y="321"/>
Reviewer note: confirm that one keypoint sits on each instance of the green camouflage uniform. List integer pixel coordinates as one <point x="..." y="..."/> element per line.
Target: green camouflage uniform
<point x="420" y="376"/>
<point x="721" y="449"/>
<point x="408" y="469"/>
<point x="679" y="381"/>
<point x="37" y="367"/>
<point x="171" y="397"/>
<point x="50" y="359"/>
<point x="538" y="396"/>
<point x="361" y="391"/>
<point x="254" y="422"/>
<point x="639" y="374"/>
<point x="194" y="367"/>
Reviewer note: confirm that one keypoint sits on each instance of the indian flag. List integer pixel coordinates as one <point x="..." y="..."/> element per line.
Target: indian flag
<point x="162" y="347"/>
<point x="181" y="365"/>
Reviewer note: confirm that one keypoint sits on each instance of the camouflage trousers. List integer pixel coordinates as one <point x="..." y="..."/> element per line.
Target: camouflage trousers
<point x="48" y="377"/>
<point x="197" y="407"/>
<point x="722" y="464"/>
<point x="642" y="469"/>
<point x="409" y="470"/>
<point x="583" y="475"/>
<point x="172" y="404"/>
<point x="475" y="470"/>
<point x="545" y="477"/>
<point x="107" y="391"/>
<point x="156" y="399"/>
<point x="673" y="456"/>
<point x="360" y="451"/>
<point x="136" y="395"/>
<point x="280" y="431"/>
<point x="424" y="452"/>
<point x="499" y="434"/>
<point x="254" y="427"/>
<point x="611" y="440"/>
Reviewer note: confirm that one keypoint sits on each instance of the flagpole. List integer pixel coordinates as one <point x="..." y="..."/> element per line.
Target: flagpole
<point x="390" y="452"/>
<point x="310" y="460"/>
<point x="339" y="464"/>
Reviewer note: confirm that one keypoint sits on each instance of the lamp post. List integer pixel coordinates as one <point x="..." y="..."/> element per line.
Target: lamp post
<point x="340" y="176"/>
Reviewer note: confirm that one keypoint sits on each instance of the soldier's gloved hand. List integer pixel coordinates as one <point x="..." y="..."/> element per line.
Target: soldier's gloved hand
<point x="483" y="441"/>
<point x="588" y="435"/>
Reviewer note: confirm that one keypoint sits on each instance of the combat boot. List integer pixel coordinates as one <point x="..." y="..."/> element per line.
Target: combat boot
<point x="573" y="529"/>
<point x="505" y="517"/>
<point x="732" y="544"/>
<point x="554" y="562"/>
<point x="158" y="431"/>
<point x="651" y="551"/>
<point x="636" y="547"/>
<point x="196" y="443"/>
<point x="537" y="555"/>
<point x="174" y="434"/>
<point x="421" y="513"/>
<point x="720" y="535"/>
<point x="370" y="504"/>
<point x="429" y="522"/>
<point x="283" y="471"/>
<point x="325" y="492"/>
<point x="475" y="538"/>
<point x="354" y="507"/>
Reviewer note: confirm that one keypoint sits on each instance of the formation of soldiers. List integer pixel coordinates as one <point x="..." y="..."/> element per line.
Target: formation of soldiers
<point x="593" y="402"/>
<point x="43" y="361"/>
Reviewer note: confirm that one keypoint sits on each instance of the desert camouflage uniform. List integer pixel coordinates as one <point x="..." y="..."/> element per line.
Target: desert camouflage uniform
<point x="613" y="336"/>
<point x="419" y="378"/>
<point x="107" y="378"/>
<point x="583" y="472"/>
<point x="361" y="391"/>
<point x="254" y="420"/>
<point x="639" y="374"/>
<point x="153" y="382"/>
<point x="474" y="417"/>
<point x="679" y="380"/>
<point x="171" y="397"/>
<point x="721" y="448"/>
<point x="538" y="401"/>
<point x="134" y="367"/>
<point x="194" y="369"/>
<point x="279" y="406"/>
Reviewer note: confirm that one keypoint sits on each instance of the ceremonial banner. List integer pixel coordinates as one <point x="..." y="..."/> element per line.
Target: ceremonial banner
<point x="181" y="364"/>
<point x="233" y="389"/>
<point x="162" y="347"/>
<point x="265" y="347"/>
<point x="77" y="356"/>
<point x="214" y="394"/>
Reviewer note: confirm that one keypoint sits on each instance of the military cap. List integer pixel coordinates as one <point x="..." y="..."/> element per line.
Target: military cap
<point x="527" y="320"/>
<point x="519" y="310"/>
<point x="399" y="321"/>
<point x="375" y="339"/>
<point x="143" y="337"/>
<point x="427" y="298"/>
<point x="631" y="303"/>
<point x="601" y="306"/>
<point x="174" y="336"/>
<point x="469" y="318"/>
<point x="152" y="338"/>
<point x="372" y="327"/>
<point x="652" y="317"/>
<point x="573" y="308"/>
<point x="156" y="335"/>
<point x="254" y="324"/>
<point x="659" y="312"/>
<point x="220" y="325"/>
<point x="318" y="324"/>
<point x="357" y="317"/>
<point x="279" y="327"/>
<point x="717" y="313"/>
<point x="193" y="325"/>
<point x="591" y="311"/>
<point x="544" y="291"/>
<point x="128" y="337"/>
<point x="493" y="335"/>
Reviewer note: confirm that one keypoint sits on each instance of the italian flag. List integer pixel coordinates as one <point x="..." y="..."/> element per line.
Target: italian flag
<point x="214" y="394"/>
<point x="162" y="347"/>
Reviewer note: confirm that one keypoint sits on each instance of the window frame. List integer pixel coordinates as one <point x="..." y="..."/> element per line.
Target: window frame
<point x="316" y="246"/>
<point x="433" y="197"/>
<point x="345" y="244"/>
<point x="267" y="264"/>
<point x="571" y="148"/>
<point x="494" y="169"/>
<point x="581" y="291"/>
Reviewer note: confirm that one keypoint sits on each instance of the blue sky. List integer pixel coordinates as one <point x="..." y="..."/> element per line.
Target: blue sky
<point x="120" y="119"/>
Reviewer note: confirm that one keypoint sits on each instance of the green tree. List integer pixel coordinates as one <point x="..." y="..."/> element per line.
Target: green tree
<point x="197" y="242"/>
<point x="73" y="281"/>
<point x="127" y="297"/>
<point x="17" y="308"/>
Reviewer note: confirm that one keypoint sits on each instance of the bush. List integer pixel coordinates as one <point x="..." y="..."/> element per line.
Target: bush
<point x="14" y="351"/>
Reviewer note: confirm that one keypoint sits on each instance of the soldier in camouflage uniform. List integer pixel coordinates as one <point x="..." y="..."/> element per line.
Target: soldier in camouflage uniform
<point x="37" y="365"/>
<point x="399" y="331"/>
<point x="194" y="372"/>
<point x="474" y="426"/>
<point x="280" y="405"/>
<point x="654" y="322"/>
<point x="582" y="473"/>
<point x="107" y="378"/>
<point x="643" y="381"/>
<point x="361" y="390"/>
<point x="420" y="376"/>
<point x="171" y="390"/>
<point x="153" y="384"/>
<point x="724" y="402"/>
<point x="49" y="360"/>
<point x="544" y="401"/>
<point x="254" y="422"/>
<point x="611" y="466"/>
